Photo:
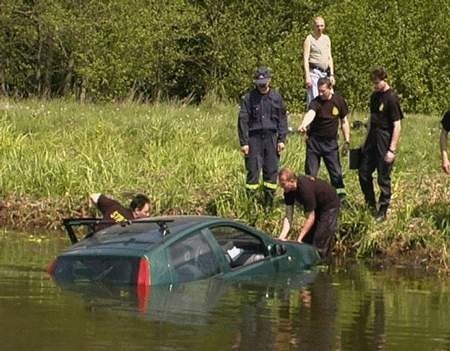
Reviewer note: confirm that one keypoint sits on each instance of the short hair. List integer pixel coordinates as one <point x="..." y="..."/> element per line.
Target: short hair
<point x="378" y="74"/>
<point x="138" y="202"/>
<point x="286" y="173"/>
<point x="323" y="81"/>
<point x="317" y="18"/>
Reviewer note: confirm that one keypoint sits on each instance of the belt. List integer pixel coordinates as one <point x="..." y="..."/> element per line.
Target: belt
<point x="314" y="66"/>
<point x="262" y="132"/>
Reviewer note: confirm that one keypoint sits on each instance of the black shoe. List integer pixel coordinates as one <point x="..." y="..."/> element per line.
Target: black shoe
<point x="344" y="202"/>
<point x="269" y="195"/>
<point x="372" y="207"/>
<point x="381" y="214"/>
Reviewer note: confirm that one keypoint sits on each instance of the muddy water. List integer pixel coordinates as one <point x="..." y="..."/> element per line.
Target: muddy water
<point x="339" y="308"/>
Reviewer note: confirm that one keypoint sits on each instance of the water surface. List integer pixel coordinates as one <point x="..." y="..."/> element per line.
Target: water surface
<point x="348" y="307"/>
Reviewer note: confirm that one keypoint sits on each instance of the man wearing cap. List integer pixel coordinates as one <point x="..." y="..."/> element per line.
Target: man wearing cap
<point x="262" y="129"/>
<point x="380" y="148"/>
<point x="317" y="59"/>
<point x="321" y="124"/>
<point x="445" y="122"/>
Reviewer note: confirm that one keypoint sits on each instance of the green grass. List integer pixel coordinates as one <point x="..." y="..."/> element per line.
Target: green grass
<point x="187" y="159"/>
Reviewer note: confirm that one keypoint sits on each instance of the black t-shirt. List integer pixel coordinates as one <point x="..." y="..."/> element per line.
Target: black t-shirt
<point x="328" y="113"/>
<point x="384" y="110"/>
<point x="313" y="194"/>
<point x="112" y="210"/>
<point x="446" y="121"/>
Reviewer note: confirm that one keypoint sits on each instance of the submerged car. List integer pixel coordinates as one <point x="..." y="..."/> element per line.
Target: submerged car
<point x="169" y="250"/>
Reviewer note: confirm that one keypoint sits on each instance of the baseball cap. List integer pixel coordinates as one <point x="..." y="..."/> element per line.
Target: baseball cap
<point x="262" y="75"/>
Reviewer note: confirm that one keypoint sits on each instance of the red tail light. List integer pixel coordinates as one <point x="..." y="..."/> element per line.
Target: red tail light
<point x="143" y="284"/>
<point x="51" y="267"/>
<point x="143" y="277"/>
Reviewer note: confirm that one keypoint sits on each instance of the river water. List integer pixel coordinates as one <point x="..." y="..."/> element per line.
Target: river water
<point x="345" y="307"/>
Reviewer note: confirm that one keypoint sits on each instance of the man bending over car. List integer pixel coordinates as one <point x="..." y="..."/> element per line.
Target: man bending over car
<point x="113" y="211"/>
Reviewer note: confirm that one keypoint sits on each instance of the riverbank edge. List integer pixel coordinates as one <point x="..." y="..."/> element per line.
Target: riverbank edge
<point x="45" y="216"/>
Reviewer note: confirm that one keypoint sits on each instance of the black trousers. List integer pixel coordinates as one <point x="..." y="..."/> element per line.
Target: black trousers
<point x="328" y="149"/>
<point x="372" y="158"/>
<point x="322" y="233"/>
<point x="263" y="155"/>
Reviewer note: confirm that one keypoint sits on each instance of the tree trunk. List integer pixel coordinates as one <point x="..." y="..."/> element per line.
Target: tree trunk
<point x="83" y="88"/>
<point x="67" y="85"/>
<point x="3" y="91"/>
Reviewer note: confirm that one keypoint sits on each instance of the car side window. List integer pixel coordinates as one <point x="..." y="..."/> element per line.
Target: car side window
<point x="240" y="247"/>
<point x="192" y="259"/>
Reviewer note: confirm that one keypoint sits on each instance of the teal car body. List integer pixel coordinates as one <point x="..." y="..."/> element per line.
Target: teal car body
<point x="170" y="250"/>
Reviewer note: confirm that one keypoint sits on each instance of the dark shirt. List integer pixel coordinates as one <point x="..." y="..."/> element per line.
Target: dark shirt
<point x="384" y="110"/>
<point x="446" y="121"/>
<point x="328" y="113"/>
<point x="314" y="194"/>
<point x="262" y="112"/>
<point x="112" y="211"/>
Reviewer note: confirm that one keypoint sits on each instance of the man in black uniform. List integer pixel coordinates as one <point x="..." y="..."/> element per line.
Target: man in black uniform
<point x="321" y="206"/>
<point x="322" y="118"/>
<point x="380" y="147"/>
<point x="445" y="122"/>
<point x="262" y="129"/>
<point x="112" y="210"/>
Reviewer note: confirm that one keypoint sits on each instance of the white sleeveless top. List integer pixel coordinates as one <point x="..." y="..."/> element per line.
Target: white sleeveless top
<point x="320" y="50"/>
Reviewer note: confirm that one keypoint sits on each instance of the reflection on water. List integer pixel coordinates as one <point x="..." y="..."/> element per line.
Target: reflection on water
<point x="337" y="308"/>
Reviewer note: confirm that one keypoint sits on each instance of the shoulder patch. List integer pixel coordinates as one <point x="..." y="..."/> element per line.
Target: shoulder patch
<point x="381" y="107"/>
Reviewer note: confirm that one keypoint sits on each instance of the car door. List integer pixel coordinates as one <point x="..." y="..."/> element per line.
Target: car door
<point x="245" y="252"/>
<point x="192" y="258"/>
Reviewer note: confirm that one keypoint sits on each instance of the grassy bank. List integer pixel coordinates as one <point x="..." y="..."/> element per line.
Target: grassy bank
<point x="186" y="158"/>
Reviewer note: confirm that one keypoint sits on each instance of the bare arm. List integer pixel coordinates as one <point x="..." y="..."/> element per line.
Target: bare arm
<point x="390" y="154"/>
<point x="287" y="222"/>
<point x="345" y="127"/>
<point x="94" y="197"/>
<point x="443" y="141"/>
<point x="307" y="120"/>
<point x="307" y="226"/>
<point x="330" y="62"/>
<point x="306" y="52"/>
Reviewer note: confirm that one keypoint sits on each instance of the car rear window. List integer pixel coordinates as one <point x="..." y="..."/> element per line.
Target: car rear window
<point x="105" y="269"/>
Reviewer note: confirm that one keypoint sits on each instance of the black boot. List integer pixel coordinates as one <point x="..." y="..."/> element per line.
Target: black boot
<point x="381" y="213"/>
<point x="269" y="195"/>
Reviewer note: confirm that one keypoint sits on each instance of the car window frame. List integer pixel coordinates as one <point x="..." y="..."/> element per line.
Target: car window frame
<point x="245" y="230"/>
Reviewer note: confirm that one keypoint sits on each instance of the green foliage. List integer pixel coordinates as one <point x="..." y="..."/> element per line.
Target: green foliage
<point x="53" y="154"/>
<point x="152" y="49"/>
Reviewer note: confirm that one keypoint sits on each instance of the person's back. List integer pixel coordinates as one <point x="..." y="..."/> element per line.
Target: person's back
<point x="113" y="211"/>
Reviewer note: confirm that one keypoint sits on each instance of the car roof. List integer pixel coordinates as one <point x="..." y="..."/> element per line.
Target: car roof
<point x="142" y="234"/>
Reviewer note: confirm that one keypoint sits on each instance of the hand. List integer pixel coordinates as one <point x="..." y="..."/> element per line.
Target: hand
<point x="302" y="129"/>
<point x="245" y="149"/>
<point x="332" y="80"/>
<point x="446" y="166"/>
<point x="308" y="83"/>
<point x="389" y="157"/>
<point x="280" y="147"/>
<point x="345" y="147"/>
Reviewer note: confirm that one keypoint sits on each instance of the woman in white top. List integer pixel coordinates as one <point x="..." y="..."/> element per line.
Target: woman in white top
<point x="317" y="59"/>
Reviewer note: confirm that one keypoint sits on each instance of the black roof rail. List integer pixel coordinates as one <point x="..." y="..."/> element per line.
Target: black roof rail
<point x="69" y="223"/>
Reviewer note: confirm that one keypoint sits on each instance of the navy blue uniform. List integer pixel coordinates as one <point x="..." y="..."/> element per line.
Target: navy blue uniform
<point x="262" y="124"/>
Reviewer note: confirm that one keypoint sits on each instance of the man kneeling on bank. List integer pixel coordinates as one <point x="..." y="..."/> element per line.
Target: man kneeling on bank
<point x="321" y="206"/>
